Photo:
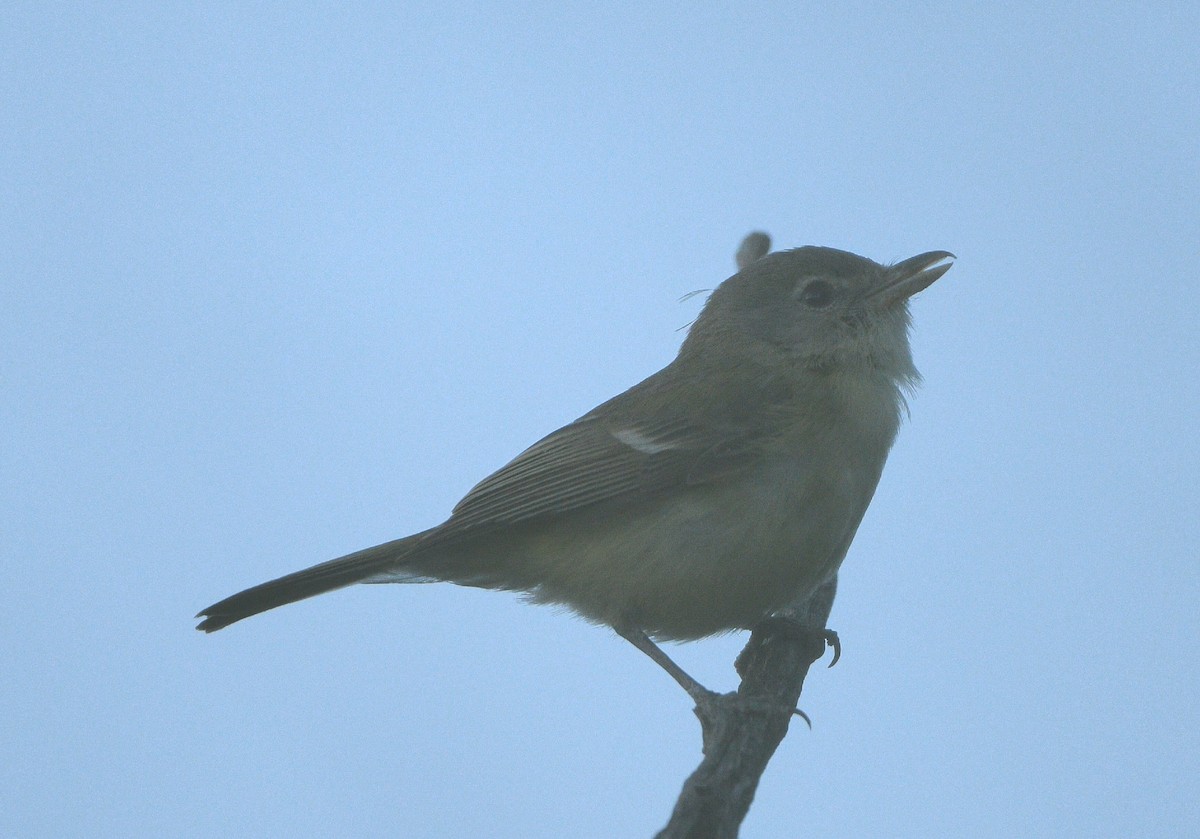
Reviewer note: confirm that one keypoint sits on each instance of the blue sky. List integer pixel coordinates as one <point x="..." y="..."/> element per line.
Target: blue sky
<point x="284" y="282"/>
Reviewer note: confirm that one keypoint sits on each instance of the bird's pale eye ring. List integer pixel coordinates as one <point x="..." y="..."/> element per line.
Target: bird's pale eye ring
<point x="817" y="294"/>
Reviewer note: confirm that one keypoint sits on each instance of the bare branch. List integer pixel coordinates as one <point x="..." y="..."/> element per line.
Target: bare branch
<point x="742" y="730"/>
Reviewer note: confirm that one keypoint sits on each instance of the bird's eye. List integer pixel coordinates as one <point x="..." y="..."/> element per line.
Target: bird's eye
<point x="817" y="293"/>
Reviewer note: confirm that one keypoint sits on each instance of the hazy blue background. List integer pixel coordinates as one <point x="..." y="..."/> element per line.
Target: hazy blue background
<point x="282" y="283"/>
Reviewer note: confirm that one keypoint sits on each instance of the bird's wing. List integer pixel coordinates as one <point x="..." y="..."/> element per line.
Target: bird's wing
<point x="596" y="460"/>
<point x="590" y="461"/>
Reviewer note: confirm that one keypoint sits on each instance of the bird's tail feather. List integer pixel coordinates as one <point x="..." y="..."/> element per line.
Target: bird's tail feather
<point x="357" y="567"/>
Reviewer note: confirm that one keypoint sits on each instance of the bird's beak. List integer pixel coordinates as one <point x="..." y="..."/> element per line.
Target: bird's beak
<point x="906" y="278"/>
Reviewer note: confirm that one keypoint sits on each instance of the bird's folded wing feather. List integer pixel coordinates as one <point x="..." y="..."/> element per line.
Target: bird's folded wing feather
<point x="595" y="461"/>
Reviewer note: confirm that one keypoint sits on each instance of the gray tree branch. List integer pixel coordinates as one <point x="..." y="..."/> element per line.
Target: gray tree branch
<point x="741" y="730"/>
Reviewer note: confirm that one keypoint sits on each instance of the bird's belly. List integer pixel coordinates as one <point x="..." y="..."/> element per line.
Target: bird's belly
<point x="713" y="559"/>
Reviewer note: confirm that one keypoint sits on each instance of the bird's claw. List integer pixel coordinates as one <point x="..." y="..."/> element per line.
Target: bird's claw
<point x="832" y="640"/>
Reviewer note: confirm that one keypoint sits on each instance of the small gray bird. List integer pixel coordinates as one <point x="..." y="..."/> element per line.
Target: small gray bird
<point x="721" y="489"/>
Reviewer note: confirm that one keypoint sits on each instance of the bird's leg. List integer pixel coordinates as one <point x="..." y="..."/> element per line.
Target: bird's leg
<point x="699" y="693"/>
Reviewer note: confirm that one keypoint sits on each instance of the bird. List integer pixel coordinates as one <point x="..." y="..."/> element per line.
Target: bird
<point x="703" y="499"/>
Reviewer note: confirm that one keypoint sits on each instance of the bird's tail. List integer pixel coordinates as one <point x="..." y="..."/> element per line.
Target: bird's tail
<point x="357" y="567"/>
